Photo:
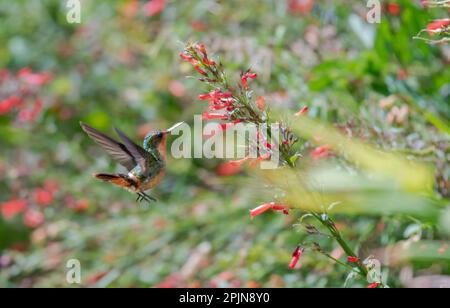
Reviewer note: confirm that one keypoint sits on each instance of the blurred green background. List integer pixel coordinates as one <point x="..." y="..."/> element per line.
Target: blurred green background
<point x="120" y="67"/>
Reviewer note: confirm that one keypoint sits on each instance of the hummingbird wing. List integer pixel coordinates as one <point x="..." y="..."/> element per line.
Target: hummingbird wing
<point x="140" y="155"/>
<point x="117" y="150"/>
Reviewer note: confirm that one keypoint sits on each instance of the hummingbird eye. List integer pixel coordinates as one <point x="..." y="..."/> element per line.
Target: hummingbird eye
<point x="160" y="134"/>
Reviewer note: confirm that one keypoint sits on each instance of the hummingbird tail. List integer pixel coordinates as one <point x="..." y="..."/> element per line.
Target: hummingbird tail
<point x="121" y="180"/>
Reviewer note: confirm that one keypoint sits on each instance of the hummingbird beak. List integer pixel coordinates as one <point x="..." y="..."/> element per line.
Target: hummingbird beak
<point x="173" y="127"/>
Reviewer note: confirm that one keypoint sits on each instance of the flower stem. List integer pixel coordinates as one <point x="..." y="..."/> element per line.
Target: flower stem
<point x="338" y="261"/>
<point x="329" y="224"/>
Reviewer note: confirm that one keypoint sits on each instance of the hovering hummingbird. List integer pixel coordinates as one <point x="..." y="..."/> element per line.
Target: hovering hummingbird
<point x="146" y="165"/>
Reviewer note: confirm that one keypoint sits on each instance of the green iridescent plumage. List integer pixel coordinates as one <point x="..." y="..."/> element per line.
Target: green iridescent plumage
<point x="146" y="165"/>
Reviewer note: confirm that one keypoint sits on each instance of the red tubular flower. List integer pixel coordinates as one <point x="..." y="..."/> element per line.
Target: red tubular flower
<point x="295" y="257"/>
<point x="201" y="48"/>
<point x="208" y="62"/>
<point x="11" y="208"/>
<point x="212" y="116"/>
<point x="246" y="76"/>
<point x="222" y="95"/>
<point x="321" y="152"/>
<point x="215" y="96"/>
<point x="244" y="82"/>
<point x="189" y="59"/>
<point x="218" y="106"/>
<point x="373" y="285"/>
<point x="267" y="206"/>
<point x="302" y="111"/>
<point x="280" y="208"/>
<point x="204" y="97"/>
<point x="437" y="25"/>
<point x="260" y="209"/>
<point x="353" y="259"/>
<point x="251" y="75"/>
<point x="200" y="71"/>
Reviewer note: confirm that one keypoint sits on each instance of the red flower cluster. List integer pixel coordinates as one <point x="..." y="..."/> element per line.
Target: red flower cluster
<point x="198" y="57"/>
<point x="33" y="217"/>
<point x="218" y="100"/>
<point x="23" y="97"/>
<point x="226" y="103"/>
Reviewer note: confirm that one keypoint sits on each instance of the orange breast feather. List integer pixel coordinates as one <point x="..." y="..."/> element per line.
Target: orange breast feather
<point x="153" y="181"/>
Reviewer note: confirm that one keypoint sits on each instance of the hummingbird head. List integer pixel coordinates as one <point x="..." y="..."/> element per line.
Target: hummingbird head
<point x="157" y="139"/>
<point x="154" y="139"/>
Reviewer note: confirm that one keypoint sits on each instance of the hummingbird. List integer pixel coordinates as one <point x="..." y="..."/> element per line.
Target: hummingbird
<point x="146" y="165"/>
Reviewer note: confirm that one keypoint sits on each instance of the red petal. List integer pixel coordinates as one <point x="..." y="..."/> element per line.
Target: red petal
<point x="353" y="259"/>
<point x="200" y="71"/>
<point x="295" y="257"/>
<point x="260" y="209"/>
<point x="373" y="285"/>
<point x="321" y="152"/>
<point x="212" y="116"/>
<point x="436" y="25"/>
<point x="302" y="111"/>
